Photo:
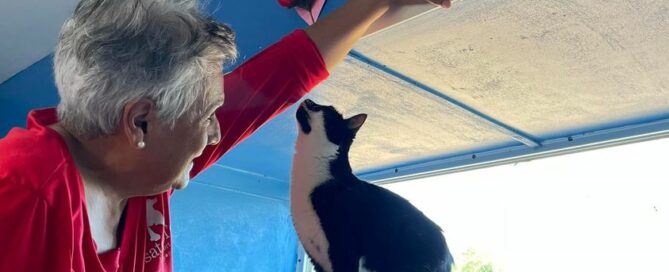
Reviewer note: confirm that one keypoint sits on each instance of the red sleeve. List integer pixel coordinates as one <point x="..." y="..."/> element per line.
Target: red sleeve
<point x="31" y="239"/>
<point x="262" y="88"/>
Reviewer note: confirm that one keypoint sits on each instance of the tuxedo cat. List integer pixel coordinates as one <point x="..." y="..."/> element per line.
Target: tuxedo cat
<point x="346" y="224"/>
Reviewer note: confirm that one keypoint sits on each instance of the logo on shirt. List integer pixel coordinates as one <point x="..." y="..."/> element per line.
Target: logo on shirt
<point x="156" y="227"/>
<point x="153" y="218"/>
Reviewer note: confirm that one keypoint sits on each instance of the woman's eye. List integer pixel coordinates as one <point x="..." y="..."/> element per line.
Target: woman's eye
<point x="209" y="120"/>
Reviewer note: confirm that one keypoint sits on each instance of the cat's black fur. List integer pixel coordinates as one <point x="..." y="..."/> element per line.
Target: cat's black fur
<point x="362" y="220"/>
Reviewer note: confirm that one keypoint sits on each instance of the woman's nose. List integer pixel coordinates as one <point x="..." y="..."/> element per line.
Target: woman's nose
<point x="214" y="136"/>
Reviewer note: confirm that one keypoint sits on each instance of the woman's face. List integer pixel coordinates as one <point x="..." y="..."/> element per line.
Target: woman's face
<point x="170" y="152"/>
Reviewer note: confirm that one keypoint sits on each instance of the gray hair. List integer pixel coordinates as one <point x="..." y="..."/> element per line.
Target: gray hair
<point x="112" y="52"/>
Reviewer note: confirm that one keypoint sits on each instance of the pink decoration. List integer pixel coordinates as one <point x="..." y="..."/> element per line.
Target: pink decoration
<point x="311" y="16"/>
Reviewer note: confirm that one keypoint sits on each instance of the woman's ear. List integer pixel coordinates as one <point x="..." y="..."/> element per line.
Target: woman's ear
<point x="135" y="122"/>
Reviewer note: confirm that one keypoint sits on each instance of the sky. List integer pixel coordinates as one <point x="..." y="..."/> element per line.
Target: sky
<point x="598" y="210"/>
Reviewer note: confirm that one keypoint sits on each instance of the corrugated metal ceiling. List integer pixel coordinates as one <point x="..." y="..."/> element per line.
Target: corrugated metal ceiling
<point x="545" y="69"/>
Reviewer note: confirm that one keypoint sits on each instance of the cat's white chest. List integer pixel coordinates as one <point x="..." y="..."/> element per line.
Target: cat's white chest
<point x="307" y="174"/>
<point x="311" y="167"/>
<point x="308" y="227"/>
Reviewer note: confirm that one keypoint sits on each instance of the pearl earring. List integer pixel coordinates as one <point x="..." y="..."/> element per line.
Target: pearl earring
<point x="141" y="144"/>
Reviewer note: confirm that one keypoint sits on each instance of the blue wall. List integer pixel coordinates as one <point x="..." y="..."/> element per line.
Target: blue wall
<point x="32" y="88"/>
<point x="217" y="228"/>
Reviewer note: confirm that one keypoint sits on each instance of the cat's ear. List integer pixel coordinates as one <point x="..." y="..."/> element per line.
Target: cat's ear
<point x="355" y="122"/>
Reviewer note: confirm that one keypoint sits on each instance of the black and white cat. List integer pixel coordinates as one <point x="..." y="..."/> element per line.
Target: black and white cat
<point x="344" y="223"/>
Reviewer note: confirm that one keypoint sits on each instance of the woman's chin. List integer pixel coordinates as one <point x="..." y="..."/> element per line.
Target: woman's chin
<point x="180" y="184"/>
<point x="184" y="179"/>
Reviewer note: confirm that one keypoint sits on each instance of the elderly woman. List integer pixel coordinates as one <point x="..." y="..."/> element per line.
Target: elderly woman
<point x="143" y="107"/>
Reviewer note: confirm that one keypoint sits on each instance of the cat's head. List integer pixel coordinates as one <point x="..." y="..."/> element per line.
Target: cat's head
<point x="325" y="126"/>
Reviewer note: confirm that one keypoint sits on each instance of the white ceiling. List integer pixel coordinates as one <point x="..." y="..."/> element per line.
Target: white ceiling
<point x="29" y="30"/>
<point x="540" y="66"/>
<point x="403" y="123"/>
<point x="544" y="68"/>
